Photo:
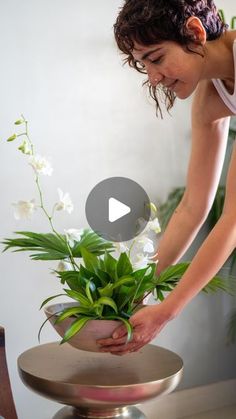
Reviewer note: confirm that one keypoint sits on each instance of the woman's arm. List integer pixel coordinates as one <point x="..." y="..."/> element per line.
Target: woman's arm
<point x="210" y="124"/>
<point x="209" y="139"/>
<point x="214" y="251"/>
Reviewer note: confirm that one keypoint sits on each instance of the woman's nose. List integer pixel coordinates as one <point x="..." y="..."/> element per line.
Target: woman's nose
<point x="153" y="75"/>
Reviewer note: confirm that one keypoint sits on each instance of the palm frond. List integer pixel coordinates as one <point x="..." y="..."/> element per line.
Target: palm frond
<point x="51" y="246"/>
<point x="46" y="246"/>
<point x="93" y="243"/>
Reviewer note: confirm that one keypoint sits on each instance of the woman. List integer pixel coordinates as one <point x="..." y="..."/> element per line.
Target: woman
<point x="184" y="47"/>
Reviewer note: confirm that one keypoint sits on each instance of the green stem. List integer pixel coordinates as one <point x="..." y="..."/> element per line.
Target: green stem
<point x="136" y="292"/>
<point x="140" y="301"/>
<point x="72" y="260"/>
<point x="27" y="135"/>
<point x="20" y="135"/>
<point x="131" y="246"/>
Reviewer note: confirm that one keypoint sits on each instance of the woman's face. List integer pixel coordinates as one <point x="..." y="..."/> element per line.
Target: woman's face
<point x="171" y="65"/>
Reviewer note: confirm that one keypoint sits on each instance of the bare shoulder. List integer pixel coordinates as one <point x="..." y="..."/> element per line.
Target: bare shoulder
<point x="207" y="105"/>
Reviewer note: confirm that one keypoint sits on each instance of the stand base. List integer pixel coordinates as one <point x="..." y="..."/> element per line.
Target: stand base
<point x="130" y="412"/>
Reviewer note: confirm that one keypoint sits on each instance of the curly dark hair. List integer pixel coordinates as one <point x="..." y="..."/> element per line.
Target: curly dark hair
<point x="150" y="21"/>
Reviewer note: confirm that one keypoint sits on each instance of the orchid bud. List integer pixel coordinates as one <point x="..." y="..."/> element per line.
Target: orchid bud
<point x="12" y="138"/>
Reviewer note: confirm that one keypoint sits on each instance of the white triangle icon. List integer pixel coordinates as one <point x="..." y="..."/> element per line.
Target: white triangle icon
<point x="117" y="209"/>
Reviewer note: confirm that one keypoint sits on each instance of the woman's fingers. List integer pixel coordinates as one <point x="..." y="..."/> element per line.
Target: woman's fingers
<point x="118" y="349"/>
<point x="119" y="332"/>
<point x="110" y="341"/>
<point x="123" y="349"/>
<point x="147" y="323"/>
<point x="119" y="336"/>
<point x="121" y="346"/>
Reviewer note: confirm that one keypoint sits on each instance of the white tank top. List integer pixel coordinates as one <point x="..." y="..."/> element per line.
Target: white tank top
<point x="228" y="99"/>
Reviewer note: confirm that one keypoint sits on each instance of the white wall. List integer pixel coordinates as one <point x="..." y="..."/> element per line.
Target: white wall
<point x="60" y="67"/>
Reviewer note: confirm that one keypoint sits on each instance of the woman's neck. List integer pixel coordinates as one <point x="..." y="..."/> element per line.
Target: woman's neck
<point x="219" y="59"/>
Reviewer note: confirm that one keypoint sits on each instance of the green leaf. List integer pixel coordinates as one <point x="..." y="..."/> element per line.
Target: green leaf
<point x="86" y="273"/>
<point x="43" y="324"/>
<point x="88" y="292"/>
<point x="110" y="266"/>
<point x="76" y="326"/>
<point x="78" y="296"/>
<point x="127" y="324"/>
<point x="124" y="280"/>
<point x="71" y="278"/>
<point x="103" y="276"/>
<point x="98" y="310"/>
<point x="93" y="243"/>
<point x="139" y="275"/>
<point x="12" y="138"/>
<point x="50" y="246"/>
<point x="72" y="311"/>
<point x="150" y="272"/>
<point x="106" y="291"/>
<point x="108" y="302"/>
<point x="227" y="285"/>
<point x="128" y="327"/>
<point x="217" y="207"/>
<point x="173" y="273"/>
<point x="50" y="255"/>
<point x="159" y="295"/>
<point x="124" y="266"/>
<point x="49" y="299"/>
<point x="90" y="260"/>
<point x="125" y="295"/>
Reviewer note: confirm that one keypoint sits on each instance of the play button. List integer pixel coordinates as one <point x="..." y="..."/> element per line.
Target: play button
<point x="117" y="209"/>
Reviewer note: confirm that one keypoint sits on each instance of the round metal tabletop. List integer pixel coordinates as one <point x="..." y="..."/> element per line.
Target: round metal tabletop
<point x="84" y="379"/>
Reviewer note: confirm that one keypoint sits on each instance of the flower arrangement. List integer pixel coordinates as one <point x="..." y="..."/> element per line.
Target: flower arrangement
<point x="101" y="285"/>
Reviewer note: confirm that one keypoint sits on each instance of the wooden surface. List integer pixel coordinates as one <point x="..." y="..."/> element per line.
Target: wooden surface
<point x="7" y="406"/>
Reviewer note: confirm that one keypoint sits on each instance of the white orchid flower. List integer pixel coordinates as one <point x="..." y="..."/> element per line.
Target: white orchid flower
<point x="41" y="165"/>
<point x="141" y="261"/>
<point x="24" y="209"/>
<point x="65" y="203"/>
<point x="148" y="247"/>
<point x="147" y="244"/>
<point x="73" y="235"/>
<point x="152" y="225"/>
<point x="121" y="247"/>
<point x="63" y="266"/>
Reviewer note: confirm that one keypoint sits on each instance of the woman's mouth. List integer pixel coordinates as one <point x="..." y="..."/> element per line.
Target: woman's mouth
<point x="172" y="85"/>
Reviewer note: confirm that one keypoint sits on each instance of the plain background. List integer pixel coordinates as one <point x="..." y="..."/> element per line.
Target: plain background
<point x="92" y="118"/>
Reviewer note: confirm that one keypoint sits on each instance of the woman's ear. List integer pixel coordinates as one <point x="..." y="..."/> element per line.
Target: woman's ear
<point x="195" y="28"/>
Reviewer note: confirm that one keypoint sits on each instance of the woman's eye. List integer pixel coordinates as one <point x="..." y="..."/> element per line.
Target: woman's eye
<point x="158" y="60"/>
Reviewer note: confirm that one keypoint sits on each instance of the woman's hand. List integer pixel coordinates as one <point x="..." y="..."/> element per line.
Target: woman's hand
<point x="147" y="323"/>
